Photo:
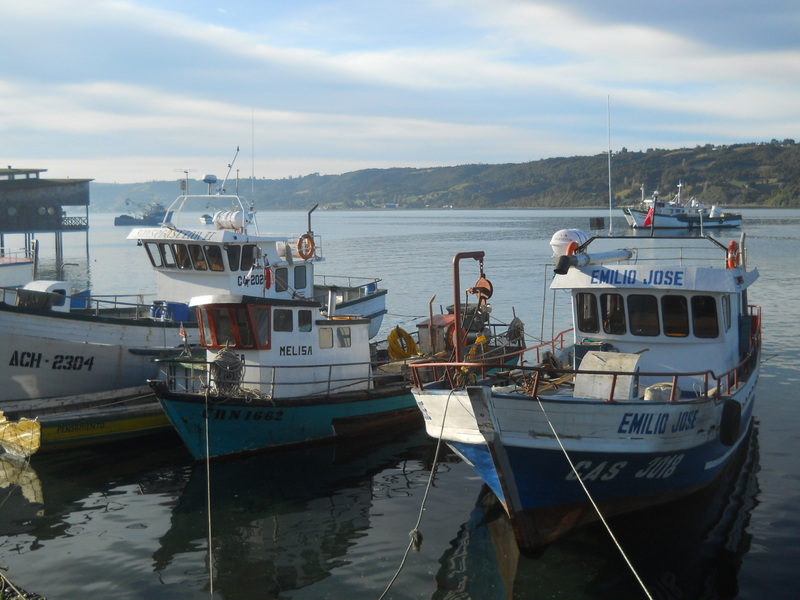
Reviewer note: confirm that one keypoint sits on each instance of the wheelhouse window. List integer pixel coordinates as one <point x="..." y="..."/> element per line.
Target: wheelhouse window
<point x="612" y="307"/>
<point x="586" y="306"/>
<point x="643" y="314"/>
<point x="326" y="337"/>
<point x="726" y="311"/>
<point x="214" y="254"/>
<point x="343" y="337"/>
<point x="243" y="328"/>
<point x="704" y="317"/>
<point x="304" y="320"/>
<point x="249" y="252"/>
<point x="282" y="319"/>
<point x="300" y="277"/>
<point x="237" y="326"/>
<point x="167" y="256"/>
<point x="182" y="260"/>
<point x="222" y="326"/>
<point x="261" y="325"/>
<point x="675" y="313"/>
<point x="154" y="255"/>
<point x="198" y="258"/>
<point x="281" y="279"/>
<point x="233" y="251"/>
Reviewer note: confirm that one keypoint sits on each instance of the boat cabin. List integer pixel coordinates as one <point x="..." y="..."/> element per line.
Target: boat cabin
<point x="688" y="319"/>
<point x="285" y="348"/>
<point x="228" y="259"/>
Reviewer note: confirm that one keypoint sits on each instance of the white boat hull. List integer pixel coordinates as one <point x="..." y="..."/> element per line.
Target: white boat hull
<point x="51" y="355"/>
<point x="636" y="219"/>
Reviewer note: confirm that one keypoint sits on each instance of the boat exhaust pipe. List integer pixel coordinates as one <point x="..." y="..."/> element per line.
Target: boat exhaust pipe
<point x="565" y="261"/>
<point x="332" y="301"/>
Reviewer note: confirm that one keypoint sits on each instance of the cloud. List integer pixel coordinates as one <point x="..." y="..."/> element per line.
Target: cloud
<point x="334" y="85"/>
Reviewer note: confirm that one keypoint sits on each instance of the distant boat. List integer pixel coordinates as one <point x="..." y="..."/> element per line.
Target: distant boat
<point x="644" y="401"/>
<point x="152" y="214"/>
<point x="18" y="265"/>
<point x="675" y="214"/>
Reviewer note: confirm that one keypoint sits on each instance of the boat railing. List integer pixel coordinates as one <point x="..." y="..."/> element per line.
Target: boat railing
<point x="546" y="374"/>
<point x="686" y="251"/>
<point x="131" y="306"/>
<point x="74" y="223"/>
<point x="15" y="255"/>
<point x="228" y="376"/>
<point x="189" y="204"/>
<point x="366" y="284"/>
<point x="498" y="349"/>
<point x="127" y="305"/>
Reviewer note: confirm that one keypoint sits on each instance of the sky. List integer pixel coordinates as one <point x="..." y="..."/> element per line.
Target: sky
<point x="139" y="90"/>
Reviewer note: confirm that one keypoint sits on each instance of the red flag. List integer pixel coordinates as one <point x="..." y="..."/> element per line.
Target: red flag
<point x="648" y="220"/>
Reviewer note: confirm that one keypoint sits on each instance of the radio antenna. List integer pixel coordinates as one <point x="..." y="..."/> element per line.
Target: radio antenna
<point x="230" y="166"/>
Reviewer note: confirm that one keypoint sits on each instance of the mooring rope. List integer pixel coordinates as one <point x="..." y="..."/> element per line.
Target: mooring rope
<point x="208" y="504"/>
<point x="594" y="504"/>
<point x="415" y="536"/>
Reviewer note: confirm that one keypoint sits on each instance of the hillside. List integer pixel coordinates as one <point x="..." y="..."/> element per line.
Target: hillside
<point x="765" y="174"/>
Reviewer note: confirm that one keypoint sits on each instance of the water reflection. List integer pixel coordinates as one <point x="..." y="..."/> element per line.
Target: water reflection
<point x="38" y="498"/>
<point x="691" y="548"/>
<point x="283" y="521"/>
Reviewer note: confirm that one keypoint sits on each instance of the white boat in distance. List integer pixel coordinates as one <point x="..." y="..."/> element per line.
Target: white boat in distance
<point x="675" y="214"/>
<point x="18" y="265"/>
<point x="644" y="401"/>
<point x="67" y="357"/>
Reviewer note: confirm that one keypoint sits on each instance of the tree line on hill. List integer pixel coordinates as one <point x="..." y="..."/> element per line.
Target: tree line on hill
<point x="756" y="175"/>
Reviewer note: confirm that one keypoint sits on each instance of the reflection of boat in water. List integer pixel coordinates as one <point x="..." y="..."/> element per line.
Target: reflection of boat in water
<point x="284" y="521"/>
<point x="691" y="548"/>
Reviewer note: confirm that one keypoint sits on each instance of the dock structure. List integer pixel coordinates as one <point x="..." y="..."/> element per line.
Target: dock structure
<point x="30" y="205"/>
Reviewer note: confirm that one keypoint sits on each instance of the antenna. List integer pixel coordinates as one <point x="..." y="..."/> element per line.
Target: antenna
<point x="230" y="166"/>
<point x="610" y="214"/>
<point x="185" y="180"/>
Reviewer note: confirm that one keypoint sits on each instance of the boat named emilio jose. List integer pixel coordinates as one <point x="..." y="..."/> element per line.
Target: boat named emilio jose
<point x="643" y="401"/>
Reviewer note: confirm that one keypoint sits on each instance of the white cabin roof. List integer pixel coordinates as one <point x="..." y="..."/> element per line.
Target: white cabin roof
<point x="652" y="277"/>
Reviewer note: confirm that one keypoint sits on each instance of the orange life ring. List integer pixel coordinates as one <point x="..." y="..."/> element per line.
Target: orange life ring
<point x="305" y="246"/>
<point x="571" y="248"/>
<point x="733" y="255"/>
<point x="452" y="340"/>
<point x="267" y="278"/>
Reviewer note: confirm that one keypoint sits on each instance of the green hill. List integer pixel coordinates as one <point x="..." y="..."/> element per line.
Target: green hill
<point x="766" y="174"/>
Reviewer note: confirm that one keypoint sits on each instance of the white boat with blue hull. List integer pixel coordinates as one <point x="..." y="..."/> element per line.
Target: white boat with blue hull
<point x="278" y="373"/>
<point x="645" y="403"/>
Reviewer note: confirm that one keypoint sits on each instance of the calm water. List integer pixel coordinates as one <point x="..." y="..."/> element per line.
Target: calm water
<point x="333" y="522"/>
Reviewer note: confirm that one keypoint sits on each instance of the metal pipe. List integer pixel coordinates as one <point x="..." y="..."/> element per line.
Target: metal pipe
<point x="457" y="296"/>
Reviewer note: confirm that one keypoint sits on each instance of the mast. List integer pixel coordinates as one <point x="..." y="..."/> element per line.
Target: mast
<point x="610" y="212"/>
